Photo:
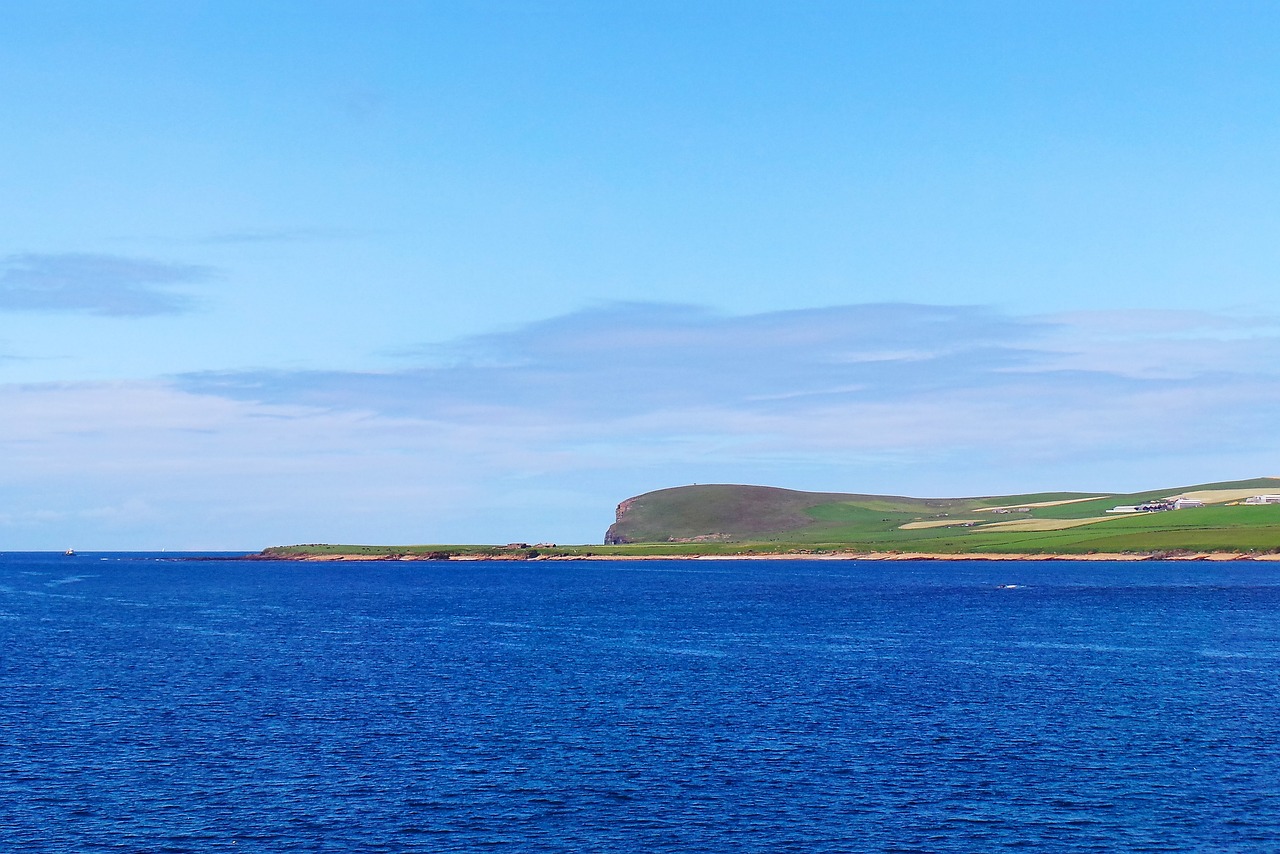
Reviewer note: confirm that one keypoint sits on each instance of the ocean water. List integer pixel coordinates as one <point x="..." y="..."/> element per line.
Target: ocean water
<point x="212" y="705"/>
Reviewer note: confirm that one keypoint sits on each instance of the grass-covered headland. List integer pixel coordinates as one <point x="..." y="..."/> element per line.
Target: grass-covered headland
<point x="721" y="520"/>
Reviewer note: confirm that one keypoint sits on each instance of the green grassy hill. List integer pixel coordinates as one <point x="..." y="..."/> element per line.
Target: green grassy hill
<point x="1063" y="522"/>
<point x="723" y="519"/>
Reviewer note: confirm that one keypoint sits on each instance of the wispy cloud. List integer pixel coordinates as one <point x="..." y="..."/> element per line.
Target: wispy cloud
<point x="956" y="386"/>
<point x="1154" y="344"/>
<point x="628" y="359"/>
<point x="108" y="285"/>
<point x="360" y="104"/>
<point x="276" y="235"/>
<point x="539" y="430"/>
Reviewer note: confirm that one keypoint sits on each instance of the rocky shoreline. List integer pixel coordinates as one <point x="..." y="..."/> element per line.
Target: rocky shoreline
<point x="839" y="556"/>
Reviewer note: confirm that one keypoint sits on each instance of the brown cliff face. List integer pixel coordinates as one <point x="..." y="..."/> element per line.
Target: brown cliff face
<point x="614" y="536"/>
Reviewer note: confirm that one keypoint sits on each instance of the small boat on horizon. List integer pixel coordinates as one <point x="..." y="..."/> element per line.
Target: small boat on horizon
<point x="69" y="553"/>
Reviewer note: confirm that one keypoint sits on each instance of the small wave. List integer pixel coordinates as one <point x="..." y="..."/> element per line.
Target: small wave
<point x="70" y="579"/>
<point x="672" y="650"/>
<point x="1085" y="647"/>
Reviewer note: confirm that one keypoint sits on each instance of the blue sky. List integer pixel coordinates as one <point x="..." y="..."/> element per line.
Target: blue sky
<point x="477" y="271"/>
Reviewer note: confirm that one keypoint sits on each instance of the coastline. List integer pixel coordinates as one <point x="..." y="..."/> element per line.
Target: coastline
<point x="825" y="556"/>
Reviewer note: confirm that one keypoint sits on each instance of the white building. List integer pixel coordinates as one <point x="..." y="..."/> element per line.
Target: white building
<point x="1184" y="503"/>
<point x="1263" y="499"/>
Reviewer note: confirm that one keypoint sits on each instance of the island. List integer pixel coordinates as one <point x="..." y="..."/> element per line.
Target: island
<point x="1230" y="520"/>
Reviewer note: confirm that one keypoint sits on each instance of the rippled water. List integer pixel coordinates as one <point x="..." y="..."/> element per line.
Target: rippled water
<point x="150" y="705"/>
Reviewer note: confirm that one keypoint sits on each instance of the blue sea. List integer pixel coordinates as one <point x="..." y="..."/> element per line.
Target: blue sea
<point x="156" y="704"/>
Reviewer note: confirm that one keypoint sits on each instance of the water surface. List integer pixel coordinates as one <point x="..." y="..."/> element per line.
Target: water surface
<point x="181" y="705"/>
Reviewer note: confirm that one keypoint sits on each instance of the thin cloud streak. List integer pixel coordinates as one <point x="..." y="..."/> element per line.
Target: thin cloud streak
<point x="106" y="285"/>
<point x="277" y="235"/>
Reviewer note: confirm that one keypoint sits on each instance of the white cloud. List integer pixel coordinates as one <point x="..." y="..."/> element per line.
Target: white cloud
<point x="538" y="432"/>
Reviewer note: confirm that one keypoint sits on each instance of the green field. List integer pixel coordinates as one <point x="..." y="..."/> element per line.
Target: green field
<point x="733" y="519"/>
